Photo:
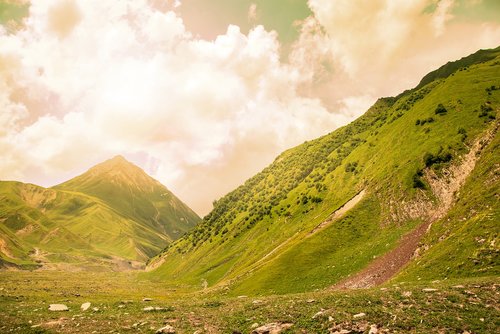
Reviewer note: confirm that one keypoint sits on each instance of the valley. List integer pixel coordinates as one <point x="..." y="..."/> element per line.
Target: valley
<point x="118" y="306"/>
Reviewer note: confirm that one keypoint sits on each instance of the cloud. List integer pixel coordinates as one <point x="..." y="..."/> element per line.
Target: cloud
<point x="83" y="81"/>
<point x="381" y="47"/>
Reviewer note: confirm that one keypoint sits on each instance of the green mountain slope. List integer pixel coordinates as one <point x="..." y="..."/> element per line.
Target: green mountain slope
<point x="130" y="191"/>
<point x="285" y="230"/>
<point x="62" y="225"/>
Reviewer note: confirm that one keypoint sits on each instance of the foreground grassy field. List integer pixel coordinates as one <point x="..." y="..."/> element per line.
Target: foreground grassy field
<point x="459" y="306"/>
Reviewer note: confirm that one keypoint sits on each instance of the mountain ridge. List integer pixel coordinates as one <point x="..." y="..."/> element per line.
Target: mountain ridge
<point x="113" y="213"/>
<point x="390" y="152"/>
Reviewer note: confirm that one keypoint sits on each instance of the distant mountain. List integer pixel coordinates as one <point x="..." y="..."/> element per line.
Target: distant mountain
<point x="407" y="191"/>
<point x="130" y="191"/>
<point x="112" y="215"/>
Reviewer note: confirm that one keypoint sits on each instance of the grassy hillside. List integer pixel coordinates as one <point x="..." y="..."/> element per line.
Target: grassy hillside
<point x="62" y="225"/>
<point x="263" y="236"/>
<point x="130" y="191"/>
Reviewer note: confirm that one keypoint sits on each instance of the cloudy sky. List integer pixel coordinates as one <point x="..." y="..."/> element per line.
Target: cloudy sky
<point x="204" y="94"/>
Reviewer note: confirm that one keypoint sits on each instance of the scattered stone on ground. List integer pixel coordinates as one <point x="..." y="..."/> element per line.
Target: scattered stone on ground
<point x="58" y="307"/>
<point x="310" y="301"/>
<point x="121" y="306"/>
<point x="318" y="314"/>
<point x="166" y="329"/>
<point x="373" y="329"/>
<point x="429" y="290"/>
<point x="342" y="331"/>
<point x="254" y="325"/>
<point x="272" y="328"/>
<point x="85" y="306"/>
<point x="147" y="299"/>
<point x="148" y="309"/>
<point x="359" y="315"/>
<point x="240" y="297"/>
<point x="95" y="309"/>
<point x="406" y="293"/>
<point x="257" y="301"/>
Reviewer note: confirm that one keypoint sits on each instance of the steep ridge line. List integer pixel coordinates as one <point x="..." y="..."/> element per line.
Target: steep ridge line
<point x="445" y="189"/>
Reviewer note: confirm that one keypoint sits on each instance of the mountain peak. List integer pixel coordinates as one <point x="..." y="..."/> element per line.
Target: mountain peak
<point x="118" y="158"/>
<point x="119" y="169"/>
<point x="115" y="161"/>
<point x="118" y="162"/>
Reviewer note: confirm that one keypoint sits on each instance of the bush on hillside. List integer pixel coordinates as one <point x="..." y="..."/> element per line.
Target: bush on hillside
<point x="440" y="109"/>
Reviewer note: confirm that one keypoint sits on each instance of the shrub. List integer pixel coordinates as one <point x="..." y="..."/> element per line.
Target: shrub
<point x="440" y="109"/>
<point x="316" y="199"/>
<point x="442" y="157"/>
<point x="417" y="181"/>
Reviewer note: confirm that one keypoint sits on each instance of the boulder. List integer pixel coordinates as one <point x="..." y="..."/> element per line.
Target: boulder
<point x="85" y="306"/>
<point x="58" y="307"/>
<point x="272" y="328"/>
<point x="359" y="315"/>
<point x="166" y="329"/>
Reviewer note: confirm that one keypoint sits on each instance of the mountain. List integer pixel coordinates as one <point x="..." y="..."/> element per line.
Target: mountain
<point x="130" y="191"/>
<point x="112" y="215"/>
<point x="407" y="191"/>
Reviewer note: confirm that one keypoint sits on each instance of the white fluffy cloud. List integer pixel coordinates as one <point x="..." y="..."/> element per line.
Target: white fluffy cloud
<point x="381" y="47"/>
<point x="85" y="80"/>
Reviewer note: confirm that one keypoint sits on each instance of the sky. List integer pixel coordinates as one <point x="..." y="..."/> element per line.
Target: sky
<point x="204" y="94"/>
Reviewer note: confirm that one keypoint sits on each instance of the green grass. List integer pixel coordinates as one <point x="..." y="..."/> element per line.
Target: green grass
<point x="399" y="308"/>
<point x="382" y="152"/>
<point x="465" y="242"/>
<point x="91" y="218"/>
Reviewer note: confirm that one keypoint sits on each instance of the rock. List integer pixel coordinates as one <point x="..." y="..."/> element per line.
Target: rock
<point x="319" y="314"/>
<point x="58" y="307"/>
<point x="85" y="306"/>
<point x="458" y="286"/>
<point x="147" y="299"/>
<point x="257" y="301"/>
<point x="342" y="331"/>
<point x="241" y="297"/>
<point x="272" y="328"/>
<point x="359" y="315"/>
<point x="254" y="325"/>
<point x="373" y="329"/>
<point x="166" y="329"/>
<point x="330" y="319"/>
<point x="310" y="301"/>
<point x="95" y="309"/>
<point x="406" y="294"/>
<point x="429" y="290"/>
<point x="151" y="308"/>
<point x="121" y="306"/>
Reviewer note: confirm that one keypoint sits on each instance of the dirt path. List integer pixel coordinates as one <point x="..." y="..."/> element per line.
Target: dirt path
<point x="445" y="189"/>
<point x="339" y="212"/>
